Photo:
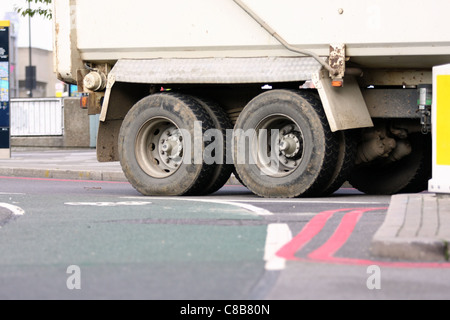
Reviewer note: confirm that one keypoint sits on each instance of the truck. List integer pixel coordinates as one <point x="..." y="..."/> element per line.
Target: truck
<point x="293" y="98"/>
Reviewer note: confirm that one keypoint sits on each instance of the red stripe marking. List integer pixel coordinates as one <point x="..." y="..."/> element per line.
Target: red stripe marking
<point x="63" y="180"/>
<point x="312" y="228"/>
<point x="339" y="238"/>
<point x="327" y="251"/>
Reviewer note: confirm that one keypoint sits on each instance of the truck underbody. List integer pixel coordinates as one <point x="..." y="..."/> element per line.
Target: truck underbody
<point x="388" y="154"/>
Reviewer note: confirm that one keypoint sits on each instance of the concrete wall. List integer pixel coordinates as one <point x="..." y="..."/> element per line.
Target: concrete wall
<point x="77" y="130"/>
<point x="76" y="124"/>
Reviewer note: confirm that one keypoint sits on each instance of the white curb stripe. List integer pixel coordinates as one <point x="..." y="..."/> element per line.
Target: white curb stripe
<point x="278" y="234"/>
<point x="14" y="209"/>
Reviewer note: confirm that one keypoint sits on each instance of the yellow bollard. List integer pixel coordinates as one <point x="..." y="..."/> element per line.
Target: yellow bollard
<point x="440" y="182"/>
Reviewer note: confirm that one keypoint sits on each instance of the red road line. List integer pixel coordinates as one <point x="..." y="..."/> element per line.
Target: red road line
<point x="64" y="180"/>
<point x="340" y="236"/>
<point x="314" y="226"/>
<point x="326" y="252"/>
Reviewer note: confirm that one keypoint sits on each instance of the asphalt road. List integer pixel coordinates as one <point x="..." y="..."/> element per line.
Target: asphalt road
<point x="64" y="239"/>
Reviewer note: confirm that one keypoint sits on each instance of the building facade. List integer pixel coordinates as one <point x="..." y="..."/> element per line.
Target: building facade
<point x="47" y="85"/>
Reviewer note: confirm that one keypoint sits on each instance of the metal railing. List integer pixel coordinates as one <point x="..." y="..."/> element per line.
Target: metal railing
<point x="37" y="117"/>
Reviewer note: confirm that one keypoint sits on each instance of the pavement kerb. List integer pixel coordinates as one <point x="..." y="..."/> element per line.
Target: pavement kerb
<point x="392" y="240"/>
<point x="89" y="175"/>
<point x="92" y="175"/>
<point x="411" y="249"/>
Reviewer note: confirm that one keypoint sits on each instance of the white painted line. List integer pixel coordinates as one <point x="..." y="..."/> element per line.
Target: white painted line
<point x="255" y="210"/>
<point x="108" y="204"/>
<point x="300" y="201"/>
<point x="14" y="209"/>
<point x="11" y="194"/>
<point x="278" y="234"/>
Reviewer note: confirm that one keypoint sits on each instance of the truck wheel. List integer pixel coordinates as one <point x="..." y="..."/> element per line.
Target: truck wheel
<point x="408" y="175"/>
<point x="348" y="144"/>
<point x="158" y="142"/>
<point x="236" y="175"/>
<point x="222" y="168"/>
<point x="283" y="146"/>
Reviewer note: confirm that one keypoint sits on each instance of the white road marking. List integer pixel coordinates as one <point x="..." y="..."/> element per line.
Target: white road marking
<point x="11" y="194"/>
<point x="300" y="201"/>
<point x="14" y="209"/>
<point x="278" y="234"/>
<point x="109" y="204"/>
<point x="256" y="210"/>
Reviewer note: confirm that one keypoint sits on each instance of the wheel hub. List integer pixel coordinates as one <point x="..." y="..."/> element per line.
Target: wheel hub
<point x="290" y="145"/>
<point x="171" y="147"/>
<point x="159" y="148"/>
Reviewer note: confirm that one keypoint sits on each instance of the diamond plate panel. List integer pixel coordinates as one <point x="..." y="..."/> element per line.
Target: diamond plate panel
<point x="215" y="70"/>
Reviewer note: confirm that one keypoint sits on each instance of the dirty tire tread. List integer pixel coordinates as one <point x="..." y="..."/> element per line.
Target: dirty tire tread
<point x="222" y="172"/>
<point x="137" y="177"/>
<point x="331" y="152"/>
<point x="350" y="144"/>
<point x="207" y="123"/>
<point x="312" y="184"/>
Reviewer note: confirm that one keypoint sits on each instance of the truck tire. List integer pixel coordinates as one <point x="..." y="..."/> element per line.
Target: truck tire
<point x="283" y="145"/>
<point x="223" y="169"/>
<point x="236" y="175"/>
<point x="157" y="142"/>
<point x="408" y="175"/>
<point x="348" y="143"/>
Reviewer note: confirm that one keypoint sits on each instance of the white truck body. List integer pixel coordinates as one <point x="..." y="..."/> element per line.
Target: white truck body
<point x="381" y="34"/>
